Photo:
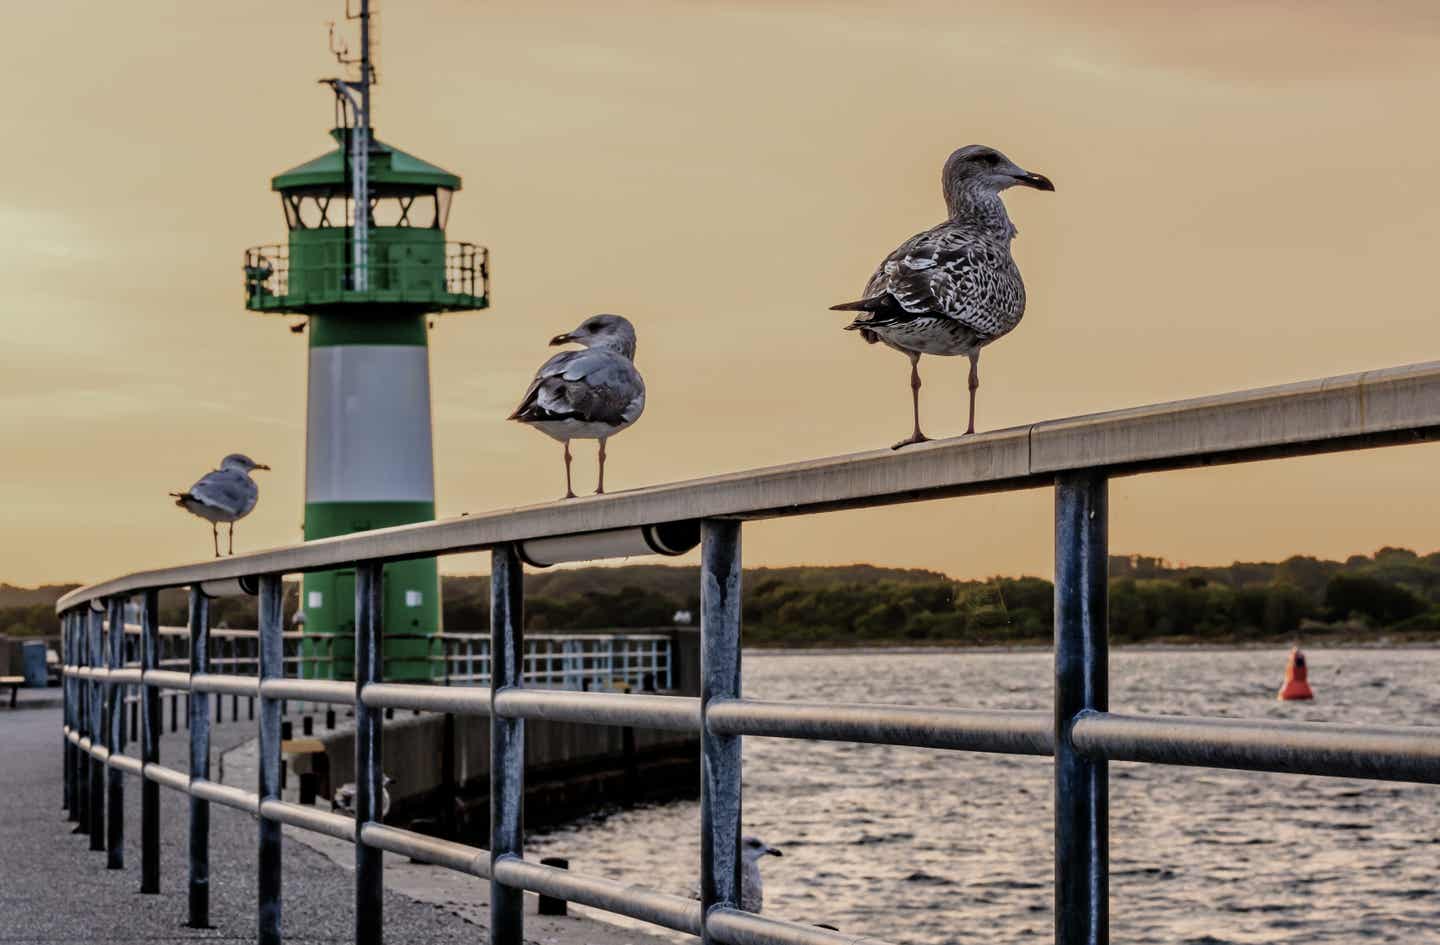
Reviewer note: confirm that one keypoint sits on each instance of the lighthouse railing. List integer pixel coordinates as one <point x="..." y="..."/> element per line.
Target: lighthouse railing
<point x="1076" y="458"/>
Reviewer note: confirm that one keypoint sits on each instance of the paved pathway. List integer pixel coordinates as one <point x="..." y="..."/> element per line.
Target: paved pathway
<point x="54" y="889"/>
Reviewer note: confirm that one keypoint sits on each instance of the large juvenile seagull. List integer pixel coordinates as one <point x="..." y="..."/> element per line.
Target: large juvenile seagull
<point x="954" y="288"/>
<point x="591" y="394"/>
<point x="225" y="495"/>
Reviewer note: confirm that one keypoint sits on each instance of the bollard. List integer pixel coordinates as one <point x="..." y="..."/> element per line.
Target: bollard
<point x="251" y="701"/>
<point x="309" y="783"/>
<point x="549" y="905"/>
<point x="287" y="731"/>
<point x="329" y="718"/>
<point x="175" y="713"/>
<point x="284" y="774"/>
<point x="307" y="725"/>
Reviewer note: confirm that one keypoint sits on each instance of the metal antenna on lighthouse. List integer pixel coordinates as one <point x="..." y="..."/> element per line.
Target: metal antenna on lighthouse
<point x="355" y="93"/>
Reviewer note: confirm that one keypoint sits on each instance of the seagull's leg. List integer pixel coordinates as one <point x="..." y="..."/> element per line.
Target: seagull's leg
<point x="974" y="386"/>
<point x="569" y="492"/>
<point x="232" y="538"/>
<point x="215" y="534"/>
<point x="600" y="489"/>
<point x="916" y="436"/>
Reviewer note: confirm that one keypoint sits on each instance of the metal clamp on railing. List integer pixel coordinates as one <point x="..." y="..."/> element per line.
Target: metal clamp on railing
<point x="670" y="539"/>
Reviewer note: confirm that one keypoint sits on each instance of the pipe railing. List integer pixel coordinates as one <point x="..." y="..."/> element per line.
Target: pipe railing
<point x="1076" y="457"/>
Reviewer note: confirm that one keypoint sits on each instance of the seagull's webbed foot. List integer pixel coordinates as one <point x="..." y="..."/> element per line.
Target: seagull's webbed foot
<point x="912" y="439"/>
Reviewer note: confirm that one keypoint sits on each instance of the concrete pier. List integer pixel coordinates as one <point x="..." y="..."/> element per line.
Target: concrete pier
<point x="54" y="889"/>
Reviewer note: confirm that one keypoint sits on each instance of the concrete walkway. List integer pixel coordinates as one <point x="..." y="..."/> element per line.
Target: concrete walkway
<point x="54" y="889"/>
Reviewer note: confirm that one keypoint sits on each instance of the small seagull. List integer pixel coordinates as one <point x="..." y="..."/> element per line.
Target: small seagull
<point x="226" y="495"/>
<point x="954" y="288"/>
<point x="344" y="799"/>
<point x="752" y="887"/>
<point x="590" y="394"/>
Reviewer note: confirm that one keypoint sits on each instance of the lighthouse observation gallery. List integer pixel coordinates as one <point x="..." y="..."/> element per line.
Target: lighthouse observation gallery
<point x="367" y="264"/>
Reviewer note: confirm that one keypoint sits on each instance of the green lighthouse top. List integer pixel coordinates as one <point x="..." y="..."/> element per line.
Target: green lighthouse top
<point x="366" y="224"/>
<point x="389" y="166"/>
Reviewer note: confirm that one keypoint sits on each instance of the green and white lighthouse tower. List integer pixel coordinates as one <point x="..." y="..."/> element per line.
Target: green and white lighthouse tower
<point x="368" y="265"/>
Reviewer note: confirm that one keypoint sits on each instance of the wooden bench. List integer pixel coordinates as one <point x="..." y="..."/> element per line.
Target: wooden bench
<point x="14" y="682"/>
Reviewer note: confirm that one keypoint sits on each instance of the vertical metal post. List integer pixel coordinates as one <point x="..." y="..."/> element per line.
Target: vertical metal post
<point x="507" y="741"/>
<point x="150" y="744"/>
<point x="97" y="729"/>
<point x="114" y="732"/>
<point x="67" y="756"/>
<point x="199" y="762"/>
<point x="1082" y="802"/>
<point x="271" y="667"/>
<point x="369" y="757"/>
<point x="82" y="721"/>
<point x="719" y="754"/>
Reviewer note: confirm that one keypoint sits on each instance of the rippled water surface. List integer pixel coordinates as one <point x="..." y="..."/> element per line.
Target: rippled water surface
<point x="920" y="846"/>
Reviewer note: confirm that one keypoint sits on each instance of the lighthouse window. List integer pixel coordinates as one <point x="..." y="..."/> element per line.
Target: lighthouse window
<point x="306" y="212"/>
<point x="414" y="598"/>
<point x="408" y="210"/>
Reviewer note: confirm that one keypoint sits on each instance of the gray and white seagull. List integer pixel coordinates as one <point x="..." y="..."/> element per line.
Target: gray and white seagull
<point x="227" y="494"/>
<point x="591" y="394"/>
<point x="954" y="288"/>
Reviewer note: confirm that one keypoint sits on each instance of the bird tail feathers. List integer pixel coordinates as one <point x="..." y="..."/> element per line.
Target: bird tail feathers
<point x="875" y="303"/>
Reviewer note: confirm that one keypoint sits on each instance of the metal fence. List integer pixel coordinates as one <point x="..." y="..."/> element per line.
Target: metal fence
<point x="1074" y="457"/>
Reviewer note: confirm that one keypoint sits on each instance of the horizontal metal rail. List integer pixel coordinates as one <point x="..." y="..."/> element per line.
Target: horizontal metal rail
<point x="308" y="818"/>
<point x="636" y="902"/>
<point x="1352" y="411"/>
<point x="224" y="684"/>
<point x="676" y="713"/>
<point x="226" y="795"/>
<point x="417" y="846"/>
<point x="310" y="690"/>
<point x="168" y="777"/>
<point x="432" y="698"/>
<point x="167" y="679"/>
<point x="986" y="730"/>
<point x="1341" y="751"/>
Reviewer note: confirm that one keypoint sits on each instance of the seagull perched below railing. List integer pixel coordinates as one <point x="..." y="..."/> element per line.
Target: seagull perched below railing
<point x="752" y="887"/>
<point x="954" y="288"/>
<point x="226" y="495"/>
<point x="344" y="799"/>
<point x="587" y="395"/>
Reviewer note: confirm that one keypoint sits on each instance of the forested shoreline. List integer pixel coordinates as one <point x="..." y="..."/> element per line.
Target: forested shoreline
<point x="1394" y="593"/>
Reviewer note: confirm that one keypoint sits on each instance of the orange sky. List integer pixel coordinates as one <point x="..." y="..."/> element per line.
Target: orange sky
<point x="1245" y="196"/>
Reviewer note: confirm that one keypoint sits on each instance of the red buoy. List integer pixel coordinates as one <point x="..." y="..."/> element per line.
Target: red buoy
<point x="1296" y="685"/>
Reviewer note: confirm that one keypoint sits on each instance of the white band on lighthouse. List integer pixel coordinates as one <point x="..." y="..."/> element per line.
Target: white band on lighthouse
<point x="368" y="436"/>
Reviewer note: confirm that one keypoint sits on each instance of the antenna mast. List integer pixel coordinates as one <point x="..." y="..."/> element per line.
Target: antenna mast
<point x="356" y="95"/>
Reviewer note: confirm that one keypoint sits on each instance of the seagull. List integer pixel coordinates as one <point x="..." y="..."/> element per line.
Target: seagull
<point x="344" y="799"/>
<point x="954" y="288"/>
<point x="591" y="394"/>
<point x="225" y="495"/>
<point x="752" y="888"/>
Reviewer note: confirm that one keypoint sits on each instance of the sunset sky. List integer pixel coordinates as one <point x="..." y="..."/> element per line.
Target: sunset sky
<point x="1246" y="194"/>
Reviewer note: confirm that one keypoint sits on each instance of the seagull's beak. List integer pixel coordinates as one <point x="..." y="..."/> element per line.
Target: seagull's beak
<point x="773" y="852"/>
<point x="564" y="339"/>
<point x="262" y="466"/>
<point x="1038" y="181"/>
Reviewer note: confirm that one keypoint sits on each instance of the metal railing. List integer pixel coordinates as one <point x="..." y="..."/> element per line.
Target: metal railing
<point x="460" y="281"/>
<point x="1076" y="457"/>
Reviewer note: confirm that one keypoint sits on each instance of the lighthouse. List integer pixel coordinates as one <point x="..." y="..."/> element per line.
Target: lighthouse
<point x="367" y="264"/>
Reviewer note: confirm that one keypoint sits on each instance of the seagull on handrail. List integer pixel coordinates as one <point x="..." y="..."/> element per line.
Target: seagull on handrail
<point x="591" y="394"/>
<point x="227" y="494"/>
<point x="954" y="288"/>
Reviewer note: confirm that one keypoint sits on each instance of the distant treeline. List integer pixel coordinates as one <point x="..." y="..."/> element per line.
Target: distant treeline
<point x="1395" y="591"/>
